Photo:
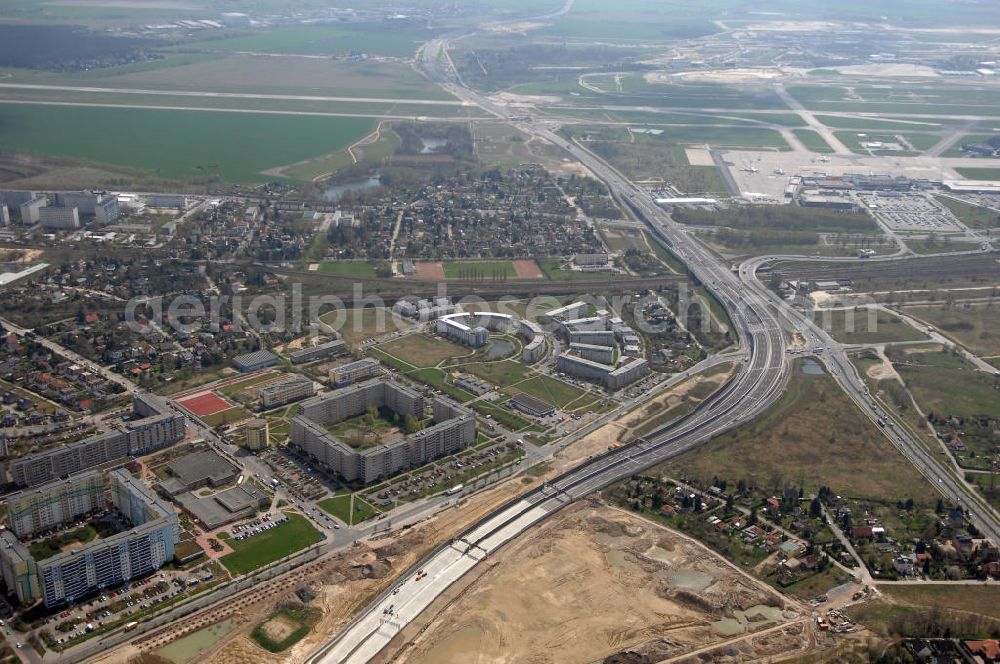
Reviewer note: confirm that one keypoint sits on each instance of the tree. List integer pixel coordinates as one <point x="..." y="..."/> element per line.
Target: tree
<point x="815" y="508"/>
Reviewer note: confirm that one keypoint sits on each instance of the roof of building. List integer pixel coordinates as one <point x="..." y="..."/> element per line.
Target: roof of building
<point x="255" y="358"/>
<point x="199" y="466"/>
<point x="531" y="403"/>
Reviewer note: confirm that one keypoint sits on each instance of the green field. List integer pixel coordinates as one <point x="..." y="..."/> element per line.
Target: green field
<point x="340" y="507"/>
<point x="973" y="216"/>
<point x="372" y="38"/>
<point x="918" y="141"/>
<point x="479" y="270"/>
<point x="813" y="436"/>
<point x="979" y="173"/>
<point x="977" y="327"/>
<point x="948" y="385"/>
<point x="232" y="389"/>
<point x="422" y="351"/>
<point x="228" y="416"/>
<point x="360" y="269"/>
<point x="554" y="391"/>
<point x="812" y="140"/>
<point x="865" y="326"/>
<point x="176" y="145"/>
<point x="301" y="619"/>
<point x="269" y="546"/>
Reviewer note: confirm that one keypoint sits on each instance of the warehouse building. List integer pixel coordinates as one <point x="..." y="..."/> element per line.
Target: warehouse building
<point x="530" y="405"/>
<point x="197" y="470"/>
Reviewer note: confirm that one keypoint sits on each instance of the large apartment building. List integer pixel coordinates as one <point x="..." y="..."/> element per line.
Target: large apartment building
<point x="42" y="508"/>
<point x="102" y="563"/>
<point x="136" y="438"/>
<point x="354" y="372"/>
<point x="453" y="428"/>
<point x="286" y="391"/>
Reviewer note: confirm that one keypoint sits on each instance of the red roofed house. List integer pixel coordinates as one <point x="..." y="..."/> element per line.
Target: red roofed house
<point x="861" y="532"/>
<point x="988" y="650"/>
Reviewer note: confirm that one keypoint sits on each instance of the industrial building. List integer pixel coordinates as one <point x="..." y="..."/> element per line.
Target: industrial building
<point x="314" y="353"/>
<point x="453" y="429"/>
<point x="43" y="508"/>
<point x="133" y="438"/>
<point x="354" y="372"/>
<point x="286" y="391"/>
<point x="260" y="359"/>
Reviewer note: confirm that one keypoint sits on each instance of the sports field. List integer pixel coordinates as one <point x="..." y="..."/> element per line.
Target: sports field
<point x="204" y="404"/>
<point x="176" y="145"/>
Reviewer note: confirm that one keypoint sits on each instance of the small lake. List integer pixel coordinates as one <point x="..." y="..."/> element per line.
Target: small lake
<point x="187" y="648"/>
<point x="812" y="367"/>
<point x="335" y="192"/>
<point x="500" y="348"/>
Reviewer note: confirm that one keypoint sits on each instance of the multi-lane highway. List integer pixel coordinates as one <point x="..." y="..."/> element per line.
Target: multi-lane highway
<point x="758" y="384"/>
<point x="758" y="317"/>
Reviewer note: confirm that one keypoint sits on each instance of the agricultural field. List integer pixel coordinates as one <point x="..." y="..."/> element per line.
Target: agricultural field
<point x="372" y="38"/>
<point x="176" y="145"/>
<point x="269" y="546"/>
<point x="865" y="326"/>
<point x="975" y="326"/>
<point x="813" y="436"/>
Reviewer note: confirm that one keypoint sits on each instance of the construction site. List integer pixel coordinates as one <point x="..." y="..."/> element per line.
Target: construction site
<point x="594" y="583"/>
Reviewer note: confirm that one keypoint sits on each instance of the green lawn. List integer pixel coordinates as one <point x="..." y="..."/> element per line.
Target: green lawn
<point x="228" y="416"/>
<point x="813" y="436"/>
<point x="269" y="546"/>
<point x="499" y="373"/>
<point x="339" y="507"/>
<point x="235" y="388"/>
<point x="479" y="270"/>
<point x="176" y="145"/>
<point x="979" y="173"/>
<point x="421" y="350"/>
<point x="812" y="140"/>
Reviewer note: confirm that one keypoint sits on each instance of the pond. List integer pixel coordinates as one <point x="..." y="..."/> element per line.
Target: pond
<point x="335" y="192"/>
<point x="187" y="648"/>
<point x="500" y="348"/>
<point x="432" y="144"/>
<point x="812" y="368"/>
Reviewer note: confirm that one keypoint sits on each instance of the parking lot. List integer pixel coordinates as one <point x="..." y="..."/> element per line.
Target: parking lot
<point x="296" y="475"/>
<point x="910" y="212"/>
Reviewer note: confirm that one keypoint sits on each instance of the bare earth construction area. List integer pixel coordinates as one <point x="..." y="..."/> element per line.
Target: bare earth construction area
<point x="595" y="582"/>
